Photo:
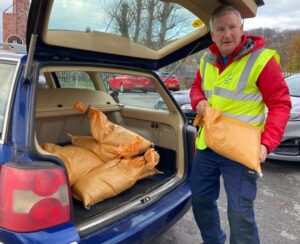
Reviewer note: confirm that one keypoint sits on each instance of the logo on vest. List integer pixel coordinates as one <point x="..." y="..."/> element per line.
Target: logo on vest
<point x="227" y="79"/>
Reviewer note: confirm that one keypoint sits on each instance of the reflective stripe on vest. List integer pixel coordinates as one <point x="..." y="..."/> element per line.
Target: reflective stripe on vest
<point x="234" y="102"/>
<point x="249" y="118"/>
<point x="239" y="94"/>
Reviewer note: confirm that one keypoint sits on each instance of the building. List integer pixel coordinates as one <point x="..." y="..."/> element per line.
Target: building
<point x="15" y="22"/>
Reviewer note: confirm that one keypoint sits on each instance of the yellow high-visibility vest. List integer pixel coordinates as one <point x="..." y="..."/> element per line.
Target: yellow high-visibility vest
<point x="235" y="91"/>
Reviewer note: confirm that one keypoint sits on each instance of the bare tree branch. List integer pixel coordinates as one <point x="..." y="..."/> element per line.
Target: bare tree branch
<point x="138" y="20"/>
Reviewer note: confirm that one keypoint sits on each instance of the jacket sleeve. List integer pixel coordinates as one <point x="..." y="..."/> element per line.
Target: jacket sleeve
<point x="276" y="96"/>
<point x="196" y="92"/>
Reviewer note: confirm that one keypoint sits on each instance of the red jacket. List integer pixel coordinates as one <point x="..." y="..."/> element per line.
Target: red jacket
<point x="272" y="86"/>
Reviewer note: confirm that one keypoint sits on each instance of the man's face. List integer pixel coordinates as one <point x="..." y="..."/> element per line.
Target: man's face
<point x="227" y="32"/>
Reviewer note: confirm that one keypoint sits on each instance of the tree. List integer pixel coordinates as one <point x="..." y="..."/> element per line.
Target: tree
<point x="163" y="17"/>
<point x="150" y="7"/>
<point x="123" y="19"/>
<point x="280" y="40"/>
<point x="293" y="51"/>
<point x="151" y="22"/>
<point x="138" y="20"/>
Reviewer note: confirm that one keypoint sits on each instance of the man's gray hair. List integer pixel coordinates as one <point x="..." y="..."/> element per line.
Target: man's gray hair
<point x="221" y="10"/>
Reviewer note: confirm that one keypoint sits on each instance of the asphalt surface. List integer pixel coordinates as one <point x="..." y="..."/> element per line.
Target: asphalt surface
<point x="277" y="209"/>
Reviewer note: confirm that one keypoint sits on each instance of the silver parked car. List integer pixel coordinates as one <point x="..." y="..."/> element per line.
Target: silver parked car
<point x="289" y="149"/>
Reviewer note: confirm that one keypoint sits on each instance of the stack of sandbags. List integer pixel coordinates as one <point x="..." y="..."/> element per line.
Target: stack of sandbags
<point x="114" y="177"/>
<point x="108" y="162"/>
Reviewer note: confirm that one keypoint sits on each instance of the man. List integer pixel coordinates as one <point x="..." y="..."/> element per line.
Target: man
<point x="240" y="77"/>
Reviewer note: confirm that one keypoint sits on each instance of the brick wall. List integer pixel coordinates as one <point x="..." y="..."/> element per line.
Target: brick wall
<point x="15" y="23"/>
<point x="8" y="25"/>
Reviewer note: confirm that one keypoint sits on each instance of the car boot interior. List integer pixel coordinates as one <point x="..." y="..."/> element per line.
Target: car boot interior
<point x="56" y="120"/>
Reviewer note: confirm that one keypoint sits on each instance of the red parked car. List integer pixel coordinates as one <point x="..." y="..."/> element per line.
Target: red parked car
<point x="125" y="83"/>
<point x="170" y="81"/>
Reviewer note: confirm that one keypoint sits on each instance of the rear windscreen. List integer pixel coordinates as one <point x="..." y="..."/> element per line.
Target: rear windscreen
<point x="154" y="24"/>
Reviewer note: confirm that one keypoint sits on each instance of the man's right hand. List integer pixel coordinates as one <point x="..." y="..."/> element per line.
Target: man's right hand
<point x="200" y="107"/>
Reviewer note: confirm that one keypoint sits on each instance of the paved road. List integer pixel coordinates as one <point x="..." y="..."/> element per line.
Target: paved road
<point x="277" y="205"/>
<point x="277" y="209"/>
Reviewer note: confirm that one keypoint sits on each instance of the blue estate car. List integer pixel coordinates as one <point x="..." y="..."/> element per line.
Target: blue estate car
<point x="76" y="48"/>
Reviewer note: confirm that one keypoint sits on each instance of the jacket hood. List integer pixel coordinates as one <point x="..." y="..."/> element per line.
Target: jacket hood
<point x="258" y="41"/>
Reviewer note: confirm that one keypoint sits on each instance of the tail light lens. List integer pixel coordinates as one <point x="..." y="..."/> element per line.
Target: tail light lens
<point x="33" y="197"/>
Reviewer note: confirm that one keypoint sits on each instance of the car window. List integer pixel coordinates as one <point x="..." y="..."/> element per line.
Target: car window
<point x="6" y="79"/>
<point x="133" y="90"/>
<point x="164" y="75"/>
<point x="154" y="24"/>
<point x="293" y="83"/>
<point x="42" y="82"/>
<point x="75" y="79"/>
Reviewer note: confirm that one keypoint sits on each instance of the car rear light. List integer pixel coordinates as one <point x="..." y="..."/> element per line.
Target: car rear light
<point x="33" y="197"/>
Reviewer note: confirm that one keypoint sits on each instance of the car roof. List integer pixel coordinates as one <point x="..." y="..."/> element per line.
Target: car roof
<point x="292" y="76"/>
<point x="10" y="55"/>
<point x="12" y="50"/>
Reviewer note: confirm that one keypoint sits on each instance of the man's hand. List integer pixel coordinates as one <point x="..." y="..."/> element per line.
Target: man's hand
<point x="200" y="107"/>
<point x="263" y="153"/>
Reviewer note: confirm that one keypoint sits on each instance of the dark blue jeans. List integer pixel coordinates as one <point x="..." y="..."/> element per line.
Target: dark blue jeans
<point x="240" y="187"/>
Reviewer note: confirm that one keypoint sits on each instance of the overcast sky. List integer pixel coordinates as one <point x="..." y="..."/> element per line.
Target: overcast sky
<point x="282" y="14"/>
<point x="279" y="14"/>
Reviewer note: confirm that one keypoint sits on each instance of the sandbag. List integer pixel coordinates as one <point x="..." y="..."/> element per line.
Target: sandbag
<point x="231" y="138"/>
<point x="113" y="178"/>
<point x="102" y="183"/>
<point x="103" y="151"/>
<point x="78" y="161"/>
<point x="149" y="160"/>
<point x="152" y="158"/>
<point x="109" y="133"/>
<point x="133" y="148"/>
<point x="107" y="152"/>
